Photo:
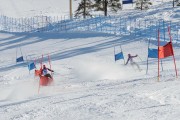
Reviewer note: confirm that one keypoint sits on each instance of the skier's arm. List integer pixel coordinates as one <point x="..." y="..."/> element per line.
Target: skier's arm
<point x="134" y="56"/>
<point x="50" y="70"/>
<point x="127" y="61"/>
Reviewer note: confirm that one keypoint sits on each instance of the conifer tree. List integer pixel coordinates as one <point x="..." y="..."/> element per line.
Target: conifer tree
<point x="103" y="5"/>
<point x="177" y="2"/>
<point x="84" y="8"/>
<point x="143" y="4"/>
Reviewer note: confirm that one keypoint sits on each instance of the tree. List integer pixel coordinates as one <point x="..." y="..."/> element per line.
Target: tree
<point x="143" y="4"/>
<point x="177" y="2"/>
<point x="103" y="5"/>
<point x="84" y="8"/>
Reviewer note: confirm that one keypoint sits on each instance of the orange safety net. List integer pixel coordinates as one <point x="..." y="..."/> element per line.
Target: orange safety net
<point x="45" y="81"/>
<point x="166" y="50"/>
<point x="37" y="72"/>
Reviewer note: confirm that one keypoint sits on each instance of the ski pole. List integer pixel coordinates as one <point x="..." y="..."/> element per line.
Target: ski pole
<point x="139" y="58"/>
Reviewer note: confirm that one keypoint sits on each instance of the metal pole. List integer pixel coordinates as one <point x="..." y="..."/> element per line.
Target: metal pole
<point x="164" y="30"/>
<point x="70" y="8"/>
<point x="122" y="53"/>
<point x="177" y="35"/>
<point x="147" y="57"/>
<point x="158" y="53"/>
<point x="173" y="51"/>
<point x="114" y="54"/>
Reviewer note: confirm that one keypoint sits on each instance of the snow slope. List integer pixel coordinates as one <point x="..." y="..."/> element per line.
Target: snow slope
<point x="88" y="83"/>
<point x="30" y="8"/>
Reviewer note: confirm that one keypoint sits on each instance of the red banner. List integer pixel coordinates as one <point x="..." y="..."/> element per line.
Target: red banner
<point x="166" y="50"/>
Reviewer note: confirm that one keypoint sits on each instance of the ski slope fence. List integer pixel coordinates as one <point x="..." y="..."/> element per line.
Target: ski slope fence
<point x="110" y="24"/>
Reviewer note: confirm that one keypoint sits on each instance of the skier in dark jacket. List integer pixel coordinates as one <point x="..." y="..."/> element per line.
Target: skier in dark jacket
<point x="45" y="72"/>
<point x="130" y="58"/>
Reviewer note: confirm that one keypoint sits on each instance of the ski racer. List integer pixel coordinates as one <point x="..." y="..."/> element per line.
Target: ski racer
<point x="45" y="73"/>
<point x="130" y="58"/>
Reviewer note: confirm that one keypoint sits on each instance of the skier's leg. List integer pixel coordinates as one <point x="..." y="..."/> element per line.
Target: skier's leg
<point x="132" y="64"/>
<point x="137" y="66"/>
<point x="48" y="75"/>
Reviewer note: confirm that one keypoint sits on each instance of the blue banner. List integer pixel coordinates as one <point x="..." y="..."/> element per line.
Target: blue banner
<point x="20" y="59"/>
<point x="31" y="66"/>
<point x="127" y="1"/>
<point x="152" y="53"/>
<point x="119" y="56"/>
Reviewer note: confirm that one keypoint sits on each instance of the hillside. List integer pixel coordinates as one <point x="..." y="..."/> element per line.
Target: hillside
<point x="30" y="8"/>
